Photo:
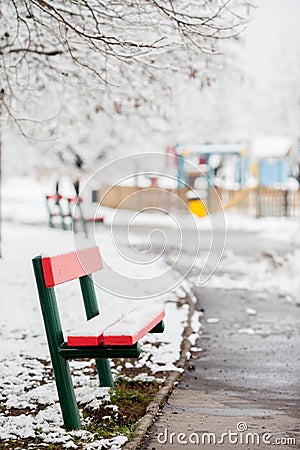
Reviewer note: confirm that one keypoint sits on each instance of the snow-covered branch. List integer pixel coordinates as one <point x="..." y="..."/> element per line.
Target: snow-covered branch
<point x="96" y="34"/>
<point x="112" y="57"/>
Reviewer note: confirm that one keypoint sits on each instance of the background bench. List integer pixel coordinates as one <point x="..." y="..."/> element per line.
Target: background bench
<point x="113" y="334"/>
<point x="68" y="208"/>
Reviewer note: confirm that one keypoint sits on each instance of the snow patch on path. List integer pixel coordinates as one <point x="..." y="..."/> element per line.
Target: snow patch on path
<point x="264" y="272"/>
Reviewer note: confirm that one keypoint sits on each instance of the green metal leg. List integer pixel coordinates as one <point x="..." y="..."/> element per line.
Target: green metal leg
<point x="62" y="217"/>
<point x="104" y="373"/>
<point x="83" y="221"/>
<point x="92" y="310"/>
<point x="51" y="224"/>
<point x="74" y="224"/>
<point x="66" y="394"/>
<point x="73" y="218"/>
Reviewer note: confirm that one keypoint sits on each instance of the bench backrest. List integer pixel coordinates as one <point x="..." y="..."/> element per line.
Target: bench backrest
<point x="69" y="266"/>
<point x="51" y="271"/>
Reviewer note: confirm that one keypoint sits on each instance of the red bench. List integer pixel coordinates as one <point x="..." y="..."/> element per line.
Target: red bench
<point x="69" y="207"/>
<point x="113" y="334"/>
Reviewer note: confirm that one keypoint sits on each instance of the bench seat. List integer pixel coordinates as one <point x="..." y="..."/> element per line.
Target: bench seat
<point x="116" y="328"/>
<point x="90" y="332"/>
<point x="94" y="219"/>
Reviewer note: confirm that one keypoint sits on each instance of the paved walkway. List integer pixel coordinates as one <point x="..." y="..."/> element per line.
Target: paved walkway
<point x="239" y="381"/>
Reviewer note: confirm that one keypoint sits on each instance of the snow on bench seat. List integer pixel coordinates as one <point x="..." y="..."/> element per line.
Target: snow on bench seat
<point x="133" y="326"/>
<point x="90" y="332"/>
<point x="116" y="327"/>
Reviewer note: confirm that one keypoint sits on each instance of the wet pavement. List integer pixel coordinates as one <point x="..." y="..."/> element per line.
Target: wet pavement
<point x="241" y="391"/>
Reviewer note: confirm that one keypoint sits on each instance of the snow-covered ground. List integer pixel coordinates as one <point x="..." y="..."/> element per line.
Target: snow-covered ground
<point x="263" y="272"/>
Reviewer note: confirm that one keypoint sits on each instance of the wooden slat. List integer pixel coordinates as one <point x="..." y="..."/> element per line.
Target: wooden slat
<point x="95" y="219"/>
<point x="54" y="197"/>
<point x="85" y="341"/>
<point x="134" y="326"/>
<point x="90" y="332"/>
<point x="69" y="266"/>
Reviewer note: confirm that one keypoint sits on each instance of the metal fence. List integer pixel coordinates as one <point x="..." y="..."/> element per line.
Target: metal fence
<point x="263" y="202"/>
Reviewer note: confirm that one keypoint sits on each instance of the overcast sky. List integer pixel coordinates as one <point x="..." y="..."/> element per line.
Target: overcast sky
<point x="271" y="58"/>
<point x="273" y="36"/>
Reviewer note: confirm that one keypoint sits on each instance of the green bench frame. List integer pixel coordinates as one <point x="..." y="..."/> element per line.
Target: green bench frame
<point x="49" y="272"/>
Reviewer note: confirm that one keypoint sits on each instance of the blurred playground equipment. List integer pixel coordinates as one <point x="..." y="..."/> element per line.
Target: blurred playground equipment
<point x="219" y="163"/>
<point x="241" y="175"/>
<point x="272" y="160"/>
<point x="206" y="167"/>
<point x="68" y="210"/>
<point x="257" y="177"/>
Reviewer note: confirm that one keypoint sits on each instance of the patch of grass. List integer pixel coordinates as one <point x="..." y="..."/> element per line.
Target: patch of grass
<point x="131" y="398"/>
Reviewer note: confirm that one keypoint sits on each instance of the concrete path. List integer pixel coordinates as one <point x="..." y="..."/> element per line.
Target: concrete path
<point x="242" y="390"/>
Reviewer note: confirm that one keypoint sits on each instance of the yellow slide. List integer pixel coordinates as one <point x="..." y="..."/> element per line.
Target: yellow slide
<point x="198" y="207"/>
